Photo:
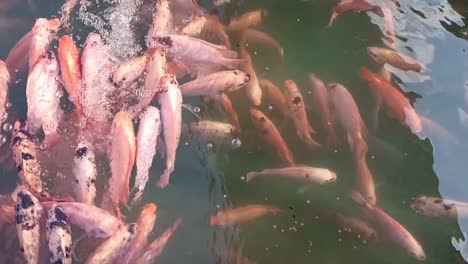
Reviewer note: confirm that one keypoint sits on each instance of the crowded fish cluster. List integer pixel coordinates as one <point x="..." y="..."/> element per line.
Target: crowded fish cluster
<point x="84" y="96"/>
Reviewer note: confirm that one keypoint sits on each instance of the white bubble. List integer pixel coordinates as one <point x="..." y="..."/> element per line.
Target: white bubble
<point x="236" y="143"/>
<point x="7" y="127"/>
<point x="209" y="145"/>
<point x="8" y="105"/>
<point x="196" y="109"/>
<point x="3" y="139"/>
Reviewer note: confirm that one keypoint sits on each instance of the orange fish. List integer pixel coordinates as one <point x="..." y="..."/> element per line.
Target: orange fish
<point x="393" y="100"/>
<point x="18" y="57"/>
<point x="42" y="34"/>
<point x="242" y="214"/>
<point x="69" y="59"/>
<point x="356" y="6"/>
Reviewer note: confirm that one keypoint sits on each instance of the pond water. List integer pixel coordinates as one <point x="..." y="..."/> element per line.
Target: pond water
<point x="209" y="177"/>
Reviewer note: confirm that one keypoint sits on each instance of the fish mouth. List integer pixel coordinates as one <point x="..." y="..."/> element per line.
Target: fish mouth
<point x="371" y="53"/>
<point x="247" y="78"/>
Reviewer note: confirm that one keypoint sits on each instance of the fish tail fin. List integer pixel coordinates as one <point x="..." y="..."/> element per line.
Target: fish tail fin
<point x="358" y="146"/>
<point x="311" y="129"/>
<point x="275" y="210"/>
<point x="234" y="63"/>
<point x="358" y="198"/>
<point x="332" y="19"/>
<point x="164" y="179"/>
<point x="251" y="175"/>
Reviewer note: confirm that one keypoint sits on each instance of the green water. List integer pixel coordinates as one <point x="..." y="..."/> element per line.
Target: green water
<point x="403" y="165"/>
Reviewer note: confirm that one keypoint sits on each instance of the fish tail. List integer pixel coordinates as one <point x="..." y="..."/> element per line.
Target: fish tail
<point x="358" y="198"/>
<point x="251" y="175"/>
<point x="164" y="179"/>
<point x="332" y="19"/>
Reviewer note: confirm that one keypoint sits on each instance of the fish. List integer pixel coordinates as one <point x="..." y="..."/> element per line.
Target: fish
<point x="66" y="10"/>
<point x="122" y="158"/>
<point x="7" y="213"/>
<point x="271" y="136"/>
<point x="170" y="103"/>
<point x="221" y="2"/>
<point x="155" y="249"/>
<point x="96" y="222"/>
<point x="28" y="215"/>
<point x="70" y="70"/>
<point x="243" y="214"/>
<point x="389" y="27"/>
<point x="216" y="83"/>
<point x="394" y="58"/>
<point x="194" y="27"/>
<point x="18" y="57"/>
<point x="297" y="113"/>
<point x="214" y="31"/>
<point x="58" y="236"/>
<point x="250" y="36"/>
<point x="356" y="226"/>
<point x="247" y="20"/>
<point x="348" y="115"/>
<point x="190" y="50"/>
<point x="162" y="21"/>
<point x="364" y="181"/>
<point x="128" y="72"/>
<point x="42" y="34"/>
<point x="24" y="153"/>
<point x="440" y="208"/>
<point x="207" y="131"/>
<point x="303" y="174"/>
<point x="322" y="105"/>
<point x="225" y="104"/>
<point x="390" y="229"/>
<point x="394" y="101"/>
<point x="96" y="65"/>
<point x="4" y="82"/>
<point x="85" y="172"/>
<point x="115" y="246"/>
<point x="43" y="96"/>
<point x="356" y="6"/>
<point x="274" y="95"/>
<point x="149" y="131"/>
<point x="252" y="88"/>
<point x="145" y="224"/>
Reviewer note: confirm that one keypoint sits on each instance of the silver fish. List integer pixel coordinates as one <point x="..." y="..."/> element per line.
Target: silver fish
<point x="216" y="83"/>
<point x="304" y="174"/>
<point x="59" y="236"/>
<point x="441" y="208"/>
<point x="211" y="131"/>
<point x="84" y="170"/>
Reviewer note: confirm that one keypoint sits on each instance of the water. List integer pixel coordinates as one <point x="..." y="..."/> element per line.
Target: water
<point x="208" y="179"/>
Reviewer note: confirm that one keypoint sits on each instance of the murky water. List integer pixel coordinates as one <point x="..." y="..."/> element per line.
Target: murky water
<point x="209" y="178"/>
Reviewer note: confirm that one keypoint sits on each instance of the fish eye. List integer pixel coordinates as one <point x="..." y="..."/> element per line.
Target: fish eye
<point x="235" y="72"/>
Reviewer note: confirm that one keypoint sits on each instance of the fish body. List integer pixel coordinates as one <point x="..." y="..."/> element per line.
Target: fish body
<point x="364" y="181"/>
<point x="395" y="103"/>
<point x="58" y="236"/>
<point x="242" y="214"/>
<point x="42" y="34"/>
<point x="211" y="131"/>
<point x="149" y="131"/>
<point x="216" y="83"/>
<point x="196" y="51"/>
<point x="252" y="88"/>
<point x="145" y="224"/>
<point x="344" y="6"/>
<point x="225" y="104"/>
<point x="249" y="19"/>
<point x="170" y="102"/>
<point x="128" y="72"/>
<point x="303" y="174"/>
<point x="25" y="156"/>
<point x="322" y="105"/>
<point x="356" y="226"/>
<point x="95" y="221"/>
<point x="348" y="115"/>
<point x="441" y="208"/>
<point x="84" y="170"/>
<point x="391" y="229"/>
<point x="28" y="216"/>
<point x="18" y="57"/>
<point x="154" y="250"/>
<point x="297" y="113"/>
<point x="122" y="158"/>
<point x="115" y="246"/>
<point x="274" y="95"/>
<point x="194" y="27"/>
<point x="250" y="36"/>
<point x="394" y="58"/>
<point x="43" y="95"/>
<point x="69" y="59"/>
<point x="271" y="136"/>
<point x="4" y="81"/>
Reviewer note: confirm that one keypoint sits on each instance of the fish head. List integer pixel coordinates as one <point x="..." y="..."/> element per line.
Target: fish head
<point x="40" y="27"/>
<point x="331" y="176"/>
<point x="242" y="78"/>
<point x="149" y="209"/>
<point x="417" y="253"/>
<point x="167" y="81"/>
<point x="257" y="115"/>
<point x="263" y="12"/>
<point x="93" y="40"/>
<point x="375" y="55"/>
<point x="53" y="25"/>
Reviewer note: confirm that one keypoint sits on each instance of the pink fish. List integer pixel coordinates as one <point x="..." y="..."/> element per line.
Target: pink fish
<point x="4" y="81"/>
<point x="356" y="6"/>
<point x="252" y="88"/>
<point x="43" y="32"/>
<point x="216" y="83"/>
<point x="18" y="57"/>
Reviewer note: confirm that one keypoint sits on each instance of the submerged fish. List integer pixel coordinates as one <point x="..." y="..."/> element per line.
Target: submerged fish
<point x="242" y="214"/>
<point x="297" y="113"/>
<point x="396" y="59"/>
<point x="42" y="34"/>
<point x="211" y="132"/>
<point x="28" y="216"/>
<point x="18" y="57"/>
<point x="84" y="170"/>
<point x="170" y="102"/>
<point x="304" y="174"/>
<point x="122" y="158"/>
<point x="95" y="221"/>
<point x="250" y="36"/>
<point x="271" y="136"/>
<point x="162" y="20"/>
<point x="356" y="226"/>
<point x="390" y="229"/>
<point x="441" y="208"/>
<point x="25" y="156"/>
<point x="225" y="104"/>
<point x="356" y="6"/>
<point x="4" y="81"/>
<point x="58" y="235"/>
<point x="154" y="250"/>
<point x="273" y="94"/>
<point x="364" y="181"/>
<point x="145" y="225"/>
<point x="252" y="88"/>
<point x="115" y="246"/>
<point x="149" y="131"/>
<point x="128" y="72"/>
<point x="216" y="83"/>
<point x="348" y="115"/>
<point x="394" y="102"/>
<point x="249" y="19"/>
